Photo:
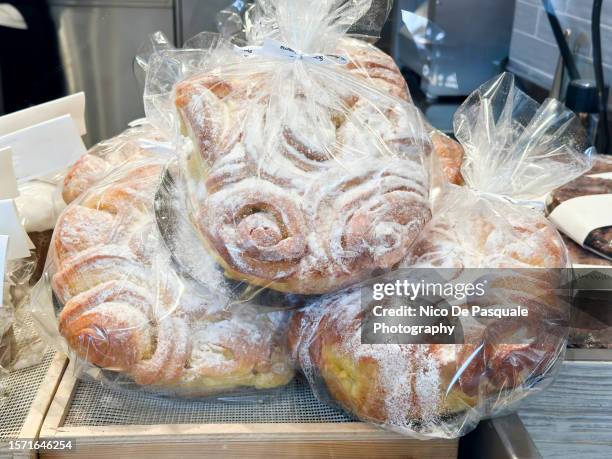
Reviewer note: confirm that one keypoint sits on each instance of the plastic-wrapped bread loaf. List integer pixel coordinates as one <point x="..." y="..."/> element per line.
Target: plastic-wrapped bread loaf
<point x="515" y="151"/>
<point x="20" y="345"/>
<point x="132" y="145"/>
<point x="7" y="335"/>
<point x="377" y="68"/>
<point x="124" y="307"/>
<point x="305" y="177"/>
<point x="380" y="70"/>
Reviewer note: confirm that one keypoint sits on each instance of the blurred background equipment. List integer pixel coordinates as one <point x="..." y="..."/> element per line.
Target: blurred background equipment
<point x="445" y="48"/>
<point x="30" y="69"/>
<point x="557" y="44"/>
<point x="98" y="40"/>
<point x="449" y="48"/>
<point x="454" y="46"/>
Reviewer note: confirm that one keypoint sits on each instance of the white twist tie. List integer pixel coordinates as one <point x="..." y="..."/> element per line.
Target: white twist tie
<point x="531" y="204"/>
<point x="274" y="49"/>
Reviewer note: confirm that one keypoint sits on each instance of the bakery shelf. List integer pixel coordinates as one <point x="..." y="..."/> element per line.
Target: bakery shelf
<point x="589" y="355"/>
<point x="573" y="417"/>
<point x="25" y="396"/>
<point x="106" y="423"/>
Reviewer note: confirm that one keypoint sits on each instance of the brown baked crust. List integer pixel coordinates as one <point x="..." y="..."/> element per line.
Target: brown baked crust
<point x="499" y="235"/>
<point x="83" y="174"/>
<point x="306" y="215"/>
<point x="126" y="310"/>
<point x="107" y="155"/>
<point x="450" y="153"/>
<point x="420" y="388"/>
<point x="586" y="184"/>
<point x="601" y="164"/>
<point x="582" y="186"/>
<point x="580" y="255"/>
<point x="379" y="69"/>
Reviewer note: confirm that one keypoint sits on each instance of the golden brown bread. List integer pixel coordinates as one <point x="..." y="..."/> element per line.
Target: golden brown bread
<point x="429" y="390"/>
<point x="440" y="389"/>
<point x="132" y="145"/>
<point x="302" y="191"/>
<point x="379" y="69"/>
<point x="479" y="231"/>
<point x="126" y="310"/>
<point x="450" y="153"/>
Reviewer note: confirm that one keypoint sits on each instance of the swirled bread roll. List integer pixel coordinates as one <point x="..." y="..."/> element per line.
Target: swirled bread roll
<point x="306" y="187"/>
<point x="442" y="390"/>
<point x="125" y="309"/>
<point x="132" y="145"/>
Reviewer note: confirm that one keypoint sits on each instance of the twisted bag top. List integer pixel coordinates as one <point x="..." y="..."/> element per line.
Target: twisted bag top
<point x="307" y="173"/>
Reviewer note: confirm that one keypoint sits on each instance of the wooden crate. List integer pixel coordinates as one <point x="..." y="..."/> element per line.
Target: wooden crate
<point x="228" y="440"/>
<point x="573" y="417"/>
<point x="29" y="394"/>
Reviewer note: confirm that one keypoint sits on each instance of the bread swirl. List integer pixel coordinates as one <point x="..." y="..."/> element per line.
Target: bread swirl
<point x="282" y="172"/>
<point x="132" y="145"/>
<point x="125" y="309"/>
<point x="435" y="390"/>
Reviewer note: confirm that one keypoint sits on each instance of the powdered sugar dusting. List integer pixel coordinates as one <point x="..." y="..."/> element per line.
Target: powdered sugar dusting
<point x="475" y="231"/>
<point x="332" y="157"/>
<point x="407" y="377"/>
<point x="121" y="278"/>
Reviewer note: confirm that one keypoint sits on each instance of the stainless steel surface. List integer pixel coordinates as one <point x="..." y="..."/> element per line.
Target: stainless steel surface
<point x="500" y="438"/>
<point x="476" y="40"/>
<point x="200" y="15"/>
<point x="98" y="42"/>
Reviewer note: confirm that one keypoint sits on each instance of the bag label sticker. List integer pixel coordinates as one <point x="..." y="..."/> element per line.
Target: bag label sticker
<point x="276" y="50"/>
<point x="577" y="217"/>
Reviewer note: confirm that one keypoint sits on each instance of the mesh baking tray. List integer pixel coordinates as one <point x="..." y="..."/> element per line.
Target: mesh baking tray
<point x="27" y="391"/>
<point x="105" y="422"/>
<point x="96" y="405"/>
<point x="18" y="389"/>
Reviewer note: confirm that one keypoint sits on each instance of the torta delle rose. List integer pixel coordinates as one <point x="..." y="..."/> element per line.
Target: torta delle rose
<point x="308" y="186"/>
<point x="125" y="308"/>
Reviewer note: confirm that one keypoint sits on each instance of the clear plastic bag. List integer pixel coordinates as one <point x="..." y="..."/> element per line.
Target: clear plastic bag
<point x="39" y="203"/>
<point x="115" y="300"/>
<point x="20" y="345"/>
<point x="515" y="152"/>
<point x="7" y="337"/>
<point x="307" y="169"/>
<point x="140" y="141"/>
